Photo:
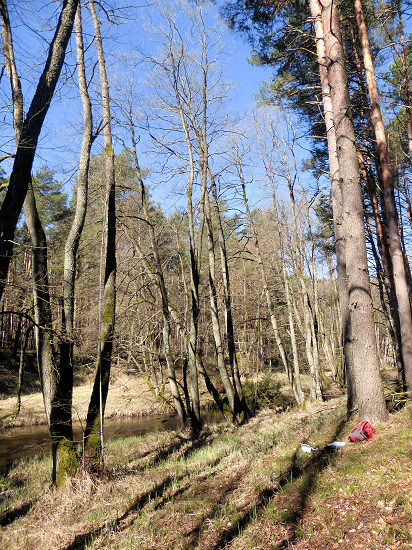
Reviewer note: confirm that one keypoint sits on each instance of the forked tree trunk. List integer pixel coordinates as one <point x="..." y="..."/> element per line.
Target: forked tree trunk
<point x="194" y="251"/>
<point x="311" y="342"/>
<point x="241" y="404"/>
<point x="369" y="390"/>
<point x="58" y="408"/>
<point x="57" y="383"/>
<point x="230" y="394"/>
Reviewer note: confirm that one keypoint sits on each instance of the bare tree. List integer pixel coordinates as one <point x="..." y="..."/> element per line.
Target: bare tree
<point x="291" y="371"/>
<point x="187" y="68"/>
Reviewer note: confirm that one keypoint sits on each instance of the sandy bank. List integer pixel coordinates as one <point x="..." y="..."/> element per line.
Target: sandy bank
<point x="128" y="396"/>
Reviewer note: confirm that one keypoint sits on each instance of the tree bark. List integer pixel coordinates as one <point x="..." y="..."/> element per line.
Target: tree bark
<point x="30" y="130"/>
<point x="241" y="404"/>
<point x="395" y="248"/>
<point x="57" y="383"/>
<point x="337" y="200"/>
<point x="93" y="434"/>
<point x="215" y="312"/>
<point x="369" y="390"/>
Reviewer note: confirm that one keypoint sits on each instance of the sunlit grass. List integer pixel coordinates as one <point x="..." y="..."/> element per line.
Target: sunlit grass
<point x="247" y="487"/>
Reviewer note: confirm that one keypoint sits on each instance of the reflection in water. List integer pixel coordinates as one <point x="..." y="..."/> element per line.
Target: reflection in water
<point x="29" y="441"/>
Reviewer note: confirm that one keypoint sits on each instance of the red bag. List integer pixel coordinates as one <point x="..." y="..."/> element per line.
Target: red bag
<point x="361" y="431"/>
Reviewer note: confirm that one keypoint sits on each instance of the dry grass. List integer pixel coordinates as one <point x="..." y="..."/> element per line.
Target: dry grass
<point x="247" y="487"/>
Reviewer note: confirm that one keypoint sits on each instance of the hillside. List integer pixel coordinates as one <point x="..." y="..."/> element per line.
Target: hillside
<point x="247" y="487"/>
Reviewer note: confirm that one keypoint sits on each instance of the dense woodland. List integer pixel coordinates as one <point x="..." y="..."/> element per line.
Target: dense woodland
<point x="268" y="261"/>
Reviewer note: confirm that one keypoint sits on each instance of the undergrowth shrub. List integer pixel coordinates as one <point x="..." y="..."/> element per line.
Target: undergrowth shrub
<point x="265" y="393"/>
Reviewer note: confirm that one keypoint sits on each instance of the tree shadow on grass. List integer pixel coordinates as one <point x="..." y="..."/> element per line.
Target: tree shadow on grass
<point x="180" y="444"/>
<point x="194" y="535"/>
<point x="310" y="470"/>
<point x="81" y="541"/>
<point x="11" y="515"/>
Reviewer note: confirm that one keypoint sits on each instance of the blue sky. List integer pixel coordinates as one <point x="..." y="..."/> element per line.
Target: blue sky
<point x="60" y="140"/>
<point x="31" y="36"/>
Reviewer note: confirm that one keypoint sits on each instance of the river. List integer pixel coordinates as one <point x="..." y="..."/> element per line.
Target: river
<point x="32" y="440"/>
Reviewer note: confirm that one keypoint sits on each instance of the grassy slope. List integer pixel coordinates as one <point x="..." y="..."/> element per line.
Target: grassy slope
<point x="248" y="487"/>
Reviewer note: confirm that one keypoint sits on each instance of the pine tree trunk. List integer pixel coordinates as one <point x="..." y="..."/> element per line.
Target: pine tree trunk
<point x="369" y="390"/>
<point x="337" y="200"/>
<point x="395" y="249"/>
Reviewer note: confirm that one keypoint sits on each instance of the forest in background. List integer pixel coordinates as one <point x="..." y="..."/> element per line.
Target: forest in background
<point x="261" y="265"/>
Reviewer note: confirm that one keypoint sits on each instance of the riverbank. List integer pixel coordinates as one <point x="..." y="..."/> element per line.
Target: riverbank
<point x="238" y="488"/>
<point x="129" y="395"/>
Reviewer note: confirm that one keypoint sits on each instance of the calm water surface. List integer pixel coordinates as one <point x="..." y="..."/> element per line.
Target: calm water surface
<point x="32" y="440"/>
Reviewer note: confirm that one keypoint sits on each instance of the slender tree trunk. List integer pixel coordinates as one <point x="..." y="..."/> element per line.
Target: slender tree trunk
<point x="395" y="249"/>
<point x="215" y="312"/>
<point x="369" y="390"/>
<point x="311" y="342"/>
<point x="202" y="371"/>
<point x="193" y="251"/>
<point x="174" y="388"/>
<point x="22" y="363"/>
<point x="227" y="299"/>
<point x="93" y="435"/>
<point x="72" y="242"/>
<point x="68" y="465"/>
<point x="288" y="369"/>
<point x="296" y="371"/>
